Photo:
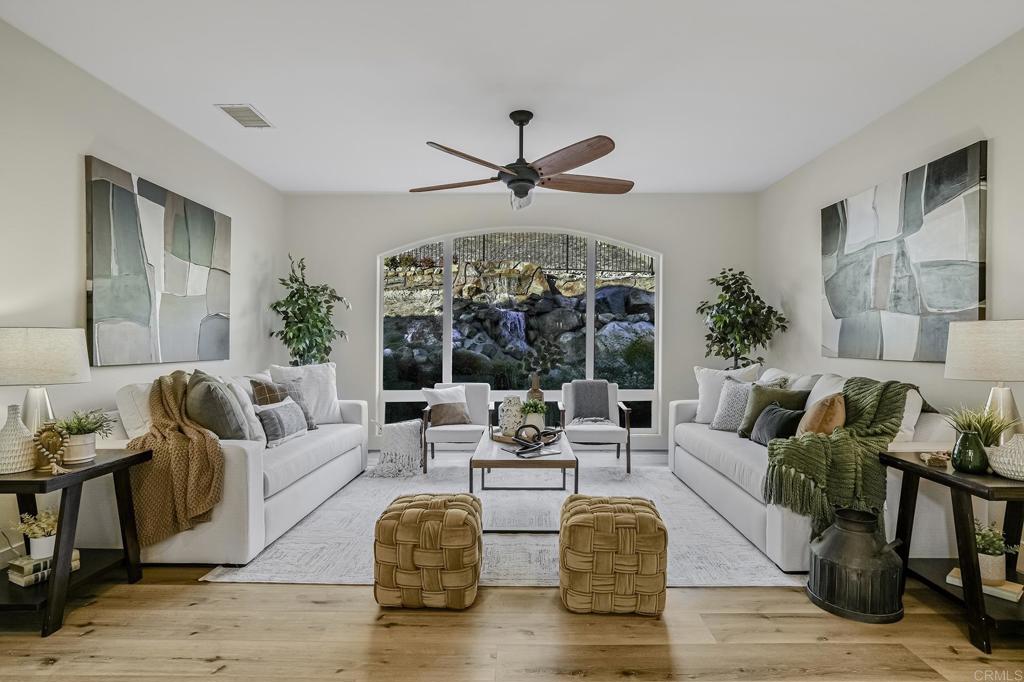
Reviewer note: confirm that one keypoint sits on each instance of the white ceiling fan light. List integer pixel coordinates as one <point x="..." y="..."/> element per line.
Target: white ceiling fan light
<point x="519" y="203"/>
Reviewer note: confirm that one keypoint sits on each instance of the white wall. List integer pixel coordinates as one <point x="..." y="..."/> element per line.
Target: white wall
<point x="341" y="234"/>
<point x="52" y="114"/>
<point x="982" y="100"/>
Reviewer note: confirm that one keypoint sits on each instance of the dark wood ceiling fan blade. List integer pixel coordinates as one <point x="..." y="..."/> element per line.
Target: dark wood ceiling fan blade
<point x="589" y="184"/>
<point x="454" y="185"/>
<point x="467" y="157"/>
<point x="574" y="156"/>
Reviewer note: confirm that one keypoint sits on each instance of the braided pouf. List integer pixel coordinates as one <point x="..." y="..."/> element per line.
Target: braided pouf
<point x="613" y="553"/>
<point x="427" y="552"/>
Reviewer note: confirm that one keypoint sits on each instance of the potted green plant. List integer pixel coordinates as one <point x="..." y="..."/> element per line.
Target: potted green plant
<point x="41" y="530"/>
<point x="82" y="429"/>
<point x="534" y="411"/>
<point x="307" y="316"/>
<point x="738" y="320"/>
<point x="977" y="430"/>
<point x="992" y="551"/>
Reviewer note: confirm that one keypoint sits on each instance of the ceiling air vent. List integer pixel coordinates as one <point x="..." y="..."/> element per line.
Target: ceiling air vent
<point x="245" y="114"/>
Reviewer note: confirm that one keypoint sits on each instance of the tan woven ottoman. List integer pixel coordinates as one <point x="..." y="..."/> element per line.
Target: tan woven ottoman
<point x="427" y="552"/>
<point x="613" y="552"/>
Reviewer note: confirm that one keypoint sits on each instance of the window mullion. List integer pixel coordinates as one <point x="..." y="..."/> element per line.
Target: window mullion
<point x="446" y="308"/>
<point x="591" y="316"/>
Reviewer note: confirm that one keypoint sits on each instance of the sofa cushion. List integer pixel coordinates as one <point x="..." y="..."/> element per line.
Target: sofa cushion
<point x="455" y="433"/>
<point x="595" y="432"/>
<point x="282" y="422"/>
<point x="133" y="406"/>
<point x="824" y="416"/>
<point x="826" y="385"/>
<point x="212" y="404"/>
<point x="775" y="422"/>
<point x="763" y="396"/>
<point x="709" y="387"/>
<point x="740" y="460"/>
<point x="319" y="388"/>
<point x="911" y="413"/>
<point x="794" y="381"/>
<point x="290" y="461"/>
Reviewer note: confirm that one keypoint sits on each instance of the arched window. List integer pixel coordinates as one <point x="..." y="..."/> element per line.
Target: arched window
<point x="499" y="306"/>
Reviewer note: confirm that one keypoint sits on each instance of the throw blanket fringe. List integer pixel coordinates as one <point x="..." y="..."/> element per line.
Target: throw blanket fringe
<point x="179" y="487"/>
<point x="815" y="474"/>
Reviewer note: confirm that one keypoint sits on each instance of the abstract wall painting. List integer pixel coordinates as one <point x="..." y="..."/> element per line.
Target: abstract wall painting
<point x="903" y="259"/>
<point x="158" y="272"/>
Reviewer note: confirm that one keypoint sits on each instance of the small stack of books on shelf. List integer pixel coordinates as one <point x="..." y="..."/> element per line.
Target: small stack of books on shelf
<point x="1010" y="591"/>
<point x="25" y="571"/>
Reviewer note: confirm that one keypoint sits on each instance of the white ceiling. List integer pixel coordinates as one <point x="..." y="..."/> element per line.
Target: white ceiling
<point x="699" y="95"/>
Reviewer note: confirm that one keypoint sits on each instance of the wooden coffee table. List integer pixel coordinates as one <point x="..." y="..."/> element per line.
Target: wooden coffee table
<point x="491" y="454"/>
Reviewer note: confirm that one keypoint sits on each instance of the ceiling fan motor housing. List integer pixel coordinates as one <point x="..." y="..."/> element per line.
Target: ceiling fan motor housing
<point x="523" y="181"/>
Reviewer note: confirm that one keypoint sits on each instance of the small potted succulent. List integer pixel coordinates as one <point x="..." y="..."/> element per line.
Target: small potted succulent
<point x="41" y="530"/>
<point x="992" y="551"/>
<point x="534" y="411"/>
<point x="82" y="429"/>
<point x="977" y="430"/>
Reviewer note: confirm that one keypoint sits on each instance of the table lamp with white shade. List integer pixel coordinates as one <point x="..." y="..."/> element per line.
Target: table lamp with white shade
<point x="989" y="350"/>
<point x="37" y="357"/>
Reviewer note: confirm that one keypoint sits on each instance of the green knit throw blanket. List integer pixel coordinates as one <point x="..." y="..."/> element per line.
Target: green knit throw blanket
<point x="815" y="474"/>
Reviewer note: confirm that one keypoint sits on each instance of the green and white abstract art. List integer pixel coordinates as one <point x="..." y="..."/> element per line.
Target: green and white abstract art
<point x="158" y="275"/>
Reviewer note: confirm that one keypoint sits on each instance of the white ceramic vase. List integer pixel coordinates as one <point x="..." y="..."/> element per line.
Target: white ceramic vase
<point x="510" y="415"/>
<point x="993" y="568"/>
<point x="17" y="451"/>
<point x="535" y="419"/>
<point x="41" y="548"/>
<point x="80" y="449"/>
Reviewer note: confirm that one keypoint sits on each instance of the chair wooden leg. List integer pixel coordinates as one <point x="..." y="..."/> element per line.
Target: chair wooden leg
<point x="618" y="451"/>
<point x="629" y="453"/>
<point x="431" y="451"/>
<point x="424" y="455"/>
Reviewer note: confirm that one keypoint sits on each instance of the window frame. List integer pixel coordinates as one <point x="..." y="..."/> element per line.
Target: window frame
<point x="447" y="241"/>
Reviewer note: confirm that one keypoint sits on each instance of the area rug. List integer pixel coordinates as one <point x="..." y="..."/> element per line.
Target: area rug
<point x="334" y="544"/>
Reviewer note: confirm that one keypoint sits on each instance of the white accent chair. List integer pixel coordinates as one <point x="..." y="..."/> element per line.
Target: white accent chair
<point x="478" y="402"/>
<point x="618" y="433"/>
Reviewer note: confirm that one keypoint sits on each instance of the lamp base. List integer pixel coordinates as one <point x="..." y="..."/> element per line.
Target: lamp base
<point x="36" y="410"/>
<point x="1000" y="401"/>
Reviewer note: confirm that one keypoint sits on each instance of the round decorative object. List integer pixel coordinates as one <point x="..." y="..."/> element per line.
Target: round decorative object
<point x="993" y="568"/>
<point x="1008" y="460"/>
<point x="969" y="454"/>
<point x="50" y="441"/>
<point x="854" y="575"/>
<point x="528" y="432"/>
<point x="17" y="453"/>
<point x="510" y="415"/>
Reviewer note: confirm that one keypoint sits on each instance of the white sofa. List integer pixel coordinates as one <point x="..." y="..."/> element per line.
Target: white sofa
<point x="266" y="492"/>
<point x="728" y="473"/>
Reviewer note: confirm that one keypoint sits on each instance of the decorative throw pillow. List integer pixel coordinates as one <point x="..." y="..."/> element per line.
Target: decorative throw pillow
<point x="212" y="404"/>
<point x="270" y="393"/>
<point x="242" y="389"/>
<point x="282" y="422"/>
<point x="731" y="405"/>
<point x="447" y="405"/>
<point x="824" y="416"/>
<point x="709" y="388"/>
<point x="763" y="396"/>
<point x="775" y="422"/>
<point x="319" y="387"/>
<point x="911" y="413"/>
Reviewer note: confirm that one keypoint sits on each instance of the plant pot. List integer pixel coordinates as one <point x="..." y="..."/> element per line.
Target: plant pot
<point x="993" y="568"/>
<point x="969" y="454"/>
<point x="41" y="548"/>
<point x="80" y="449"/>
<point x="535" y="419"/>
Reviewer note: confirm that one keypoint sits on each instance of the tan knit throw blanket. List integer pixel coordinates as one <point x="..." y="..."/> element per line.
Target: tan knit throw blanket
<point x="179" y="487"/>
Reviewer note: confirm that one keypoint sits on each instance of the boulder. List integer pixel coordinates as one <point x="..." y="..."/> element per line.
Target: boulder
<point x="558" y="321"/>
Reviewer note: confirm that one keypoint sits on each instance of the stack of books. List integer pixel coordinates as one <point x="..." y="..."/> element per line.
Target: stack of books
<point x="1010" y="591"/>
<point x="25" y="571"/>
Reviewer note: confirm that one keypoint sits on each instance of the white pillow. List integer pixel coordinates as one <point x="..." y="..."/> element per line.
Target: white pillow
<point x="133" y="405"/>
<point x="828" y="384"/>
<point x="709" y="388"/>
<point x="319" y="388"/>
<point x="440" y="396"/>
<point x="794" y="381"/>
<point x="911" y="413"/>
<point x="242" y="390"/>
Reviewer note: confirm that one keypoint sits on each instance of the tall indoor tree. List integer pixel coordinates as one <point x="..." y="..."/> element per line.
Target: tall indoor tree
<point x="738" y="320"/>
<point x="307" y="316"/>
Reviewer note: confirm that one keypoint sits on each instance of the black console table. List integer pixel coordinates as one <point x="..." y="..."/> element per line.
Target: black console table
<point x="984" y="613"/>
<point x="51" y="595"/>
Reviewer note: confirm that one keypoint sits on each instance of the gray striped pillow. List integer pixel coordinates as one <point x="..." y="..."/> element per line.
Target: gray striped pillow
<point x="282" y="422"/>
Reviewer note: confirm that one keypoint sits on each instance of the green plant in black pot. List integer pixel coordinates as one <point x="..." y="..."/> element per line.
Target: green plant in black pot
<point x="307" y="316"/>
<point x="738" y="320"/>
<point x="977" y="430"/>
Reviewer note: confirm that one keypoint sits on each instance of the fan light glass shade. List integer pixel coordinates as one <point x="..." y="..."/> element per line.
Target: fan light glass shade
<point x="43" y="356"/>
<point x="517" y="203"/>
<point x="991" y="350"/>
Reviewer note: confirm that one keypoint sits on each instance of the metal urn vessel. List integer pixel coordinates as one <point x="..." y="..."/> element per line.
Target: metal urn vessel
<point x="853" y="574"/>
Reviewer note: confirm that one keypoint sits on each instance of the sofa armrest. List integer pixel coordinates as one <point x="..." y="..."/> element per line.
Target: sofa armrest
<point x="357" y="412"/>
<point x="681" y="412"/>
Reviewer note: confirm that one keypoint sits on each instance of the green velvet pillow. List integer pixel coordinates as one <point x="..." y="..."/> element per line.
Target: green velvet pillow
<point x="763" y="396"/>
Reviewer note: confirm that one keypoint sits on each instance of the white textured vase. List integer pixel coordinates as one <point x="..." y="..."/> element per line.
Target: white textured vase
<point x="993" y="568"/>
<point x="41" y="548"/>
<point x="510" y="415"/>
<point x="80" y="449"/>
<point x="17" y="452"/>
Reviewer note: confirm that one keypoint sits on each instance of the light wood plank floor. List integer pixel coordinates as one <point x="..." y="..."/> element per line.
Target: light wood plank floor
<point x="170" y="626"/>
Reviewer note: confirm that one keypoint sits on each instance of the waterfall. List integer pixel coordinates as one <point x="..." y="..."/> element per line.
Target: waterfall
<point x="513" y="328"/>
